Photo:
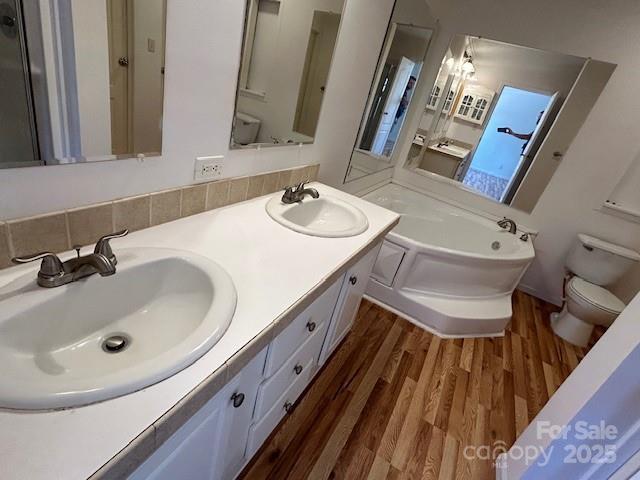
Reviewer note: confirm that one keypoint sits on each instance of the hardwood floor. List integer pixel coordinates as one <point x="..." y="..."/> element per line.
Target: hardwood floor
<point x="397" y="402"/>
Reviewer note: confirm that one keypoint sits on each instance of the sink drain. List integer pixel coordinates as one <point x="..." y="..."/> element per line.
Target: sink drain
<point x="115" y="343"/>
<point x="495" y="246"/>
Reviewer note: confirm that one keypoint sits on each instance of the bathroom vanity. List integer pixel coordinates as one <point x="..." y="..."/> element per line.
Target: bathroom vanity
<point x="297" y="296"/>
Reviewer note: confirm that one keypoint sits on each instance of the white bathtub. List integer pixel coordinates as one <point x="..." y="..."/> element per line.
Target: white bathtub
<point x="446" y="269"/>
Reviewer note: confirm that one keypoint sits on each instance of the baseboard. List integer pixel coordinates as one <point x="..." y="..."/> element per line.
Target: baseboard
<point x="534" y="292"/>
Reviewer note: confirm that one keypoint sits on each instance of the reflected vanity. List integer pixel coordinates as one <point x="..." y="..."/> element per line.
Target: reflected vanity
<point x="84" y="81"/>
<point x="286" y="58"/>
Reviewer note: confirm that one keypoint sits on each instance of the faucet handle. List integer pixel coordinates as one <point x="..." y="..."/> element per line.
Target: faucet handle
<point x="103" y="246"/>
<point x="50" y="267"/>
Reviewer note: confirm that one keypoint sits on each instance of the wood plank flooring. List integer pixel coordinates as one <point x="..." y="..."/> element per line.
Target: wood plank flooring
<point x="395" y="402"/>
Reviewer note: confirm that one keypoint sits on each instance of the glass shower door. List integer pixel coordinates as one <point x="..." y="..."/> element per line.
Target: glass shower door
<point x="18" y="141"/>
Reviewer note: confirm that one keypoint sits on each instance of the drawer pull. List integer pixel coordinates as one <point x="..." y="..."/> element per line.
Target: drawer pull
<point x="311" y="326"/>
<point x="288" y="407"/>
<point x="238" y="399"/>
<point x="353" y="280"/>
<point x="298" y="369"/>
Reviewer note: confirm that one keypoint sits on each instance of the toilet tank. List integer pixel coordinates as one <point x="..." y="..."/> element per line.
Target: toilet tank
<point x="246" y="129"/>
<point x="599" y="262"/>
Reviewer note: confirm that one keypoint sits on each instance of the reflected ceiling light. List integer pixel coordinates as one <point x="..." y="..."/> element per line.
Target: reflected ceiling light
<point x="468" y="67"/>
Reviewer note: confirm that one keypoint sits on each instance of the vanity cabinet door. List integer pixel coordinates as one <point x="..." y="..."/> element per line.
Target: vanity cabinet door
<point x="196" y="450"/>
<point x="355" y="283"/>
<point x="241" y="407"/>
<point x="212" y="444"/>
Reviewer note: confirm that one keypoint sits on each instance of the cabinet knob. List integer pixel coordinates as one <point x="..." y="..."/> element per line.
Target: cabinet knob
<point x="238" y="399"/>
<point x="353" y="280"/>
<point x="288" y="407"/>
<point x="298" y="369"/>
<point x="311" y="326"/>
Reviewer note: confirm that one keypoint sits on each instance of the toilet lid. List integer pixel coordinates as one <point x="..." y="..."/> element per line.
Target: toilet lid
<point x="596" y="295"/>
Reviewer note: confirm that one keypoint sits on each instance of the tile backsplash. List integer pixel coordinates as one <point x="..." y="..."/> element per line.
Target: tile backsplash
<point x="60" y="231"/>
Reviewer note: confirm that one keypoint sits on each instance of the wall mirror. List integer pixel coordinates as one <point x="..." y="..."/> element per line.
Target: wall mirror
<point x="500" y="117"/>
<point x="82" y="80"/>
<point x="286" y="58"/>
<point x="399" y="67"/>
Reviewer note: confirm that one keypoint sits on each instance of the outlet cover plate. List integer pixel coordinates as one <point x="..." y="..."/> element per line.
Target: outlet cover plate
<point x="207" y="168"/>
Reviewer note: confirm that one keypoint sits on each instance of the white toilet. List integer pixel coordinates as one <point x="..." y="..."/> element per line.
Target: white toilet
<point x="594" y="264"/>
<point x="246" y="129"/>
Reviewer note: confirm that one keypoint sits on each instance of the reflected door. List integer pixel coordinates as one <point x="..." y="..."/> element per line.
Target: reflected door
<point x="396" y="93"/>
<point x="322" y="41"/>
<point x="543" y="126"/>
<point x="508" y="133"/>
<point x="118" y="28"/>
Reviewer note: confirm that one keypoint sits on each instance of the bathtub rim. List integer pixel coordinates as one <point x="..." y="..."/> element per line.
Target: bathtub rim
<point x="487" y="215"/>
<point x="445" y="252"/>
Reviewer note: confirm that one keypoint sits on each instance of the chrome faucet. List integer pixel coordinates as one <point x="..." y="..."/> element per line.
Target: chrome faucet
<point x="55" y="273"/>
<point x="296" y="193"/>
<point x="509" y="224"/>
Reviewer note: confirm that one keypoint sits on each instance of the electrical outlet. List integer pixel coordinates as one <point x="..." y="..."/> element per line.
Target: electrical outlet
<point x="208" y="167"/>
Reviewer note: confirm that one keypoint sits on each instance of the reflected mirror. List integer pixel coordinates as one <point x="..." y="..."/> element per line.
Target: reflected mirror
<point x="286" y="58"/>
<point x="397" y="74"/>
<point x="499" y="117"/>
<point x="82" y="80"/>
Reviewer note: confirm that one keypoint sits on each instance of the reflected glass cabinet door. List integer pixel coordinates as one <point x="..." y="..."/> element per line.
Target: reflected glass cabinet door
<point x="475" y="104"/>
<point x="479" y="109"/>
<point x="465" y="106"/>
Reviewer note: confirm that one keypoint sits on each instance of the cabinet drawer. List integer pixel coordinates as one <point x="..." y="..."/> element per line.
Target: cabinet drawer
<point x="272" y="388"/>
<point x="387" y="263"/>
<point x="285" y="344"/>
<point x="263" y="428"/>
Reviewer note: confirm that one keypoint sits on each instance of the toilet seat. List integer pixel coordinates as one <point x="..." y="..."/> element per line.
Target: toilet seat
<point x="595" y="295"/>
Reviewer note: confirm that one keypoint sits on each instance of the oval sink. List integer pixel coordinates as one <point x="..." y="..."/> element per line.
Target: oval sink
<point x="100" y="338"/>
<point x="321" y="217"/>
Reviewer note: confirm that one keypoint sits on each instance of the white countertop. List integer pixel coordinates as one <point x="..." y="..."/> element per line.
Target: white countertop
<point x="452" y="150"/>
<point x="272" y="268"/>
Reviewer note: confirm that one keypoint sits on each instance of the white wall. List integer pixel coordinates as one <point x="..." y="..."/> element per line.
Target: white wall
<point x="602" y="150"/>
<point x="202" y="60"/>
